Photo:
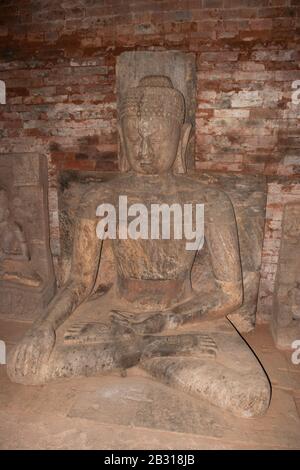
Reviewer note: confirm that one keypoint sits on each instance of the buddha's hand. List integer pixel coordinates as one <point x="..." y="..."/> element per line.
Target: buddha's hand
<point x="33" y="351"/>
<point x="157" y="321"/>
<point x="139" y="323"/>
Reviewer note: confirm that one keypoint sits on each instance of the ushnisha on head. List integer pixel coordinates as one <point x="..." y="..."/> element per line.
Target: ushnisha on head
<point x="152" y="130"/>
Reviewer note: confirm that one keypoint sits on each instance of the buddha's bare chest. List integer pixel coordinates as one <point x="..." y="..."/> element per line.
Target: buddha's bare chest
<point x="151" y="240"/>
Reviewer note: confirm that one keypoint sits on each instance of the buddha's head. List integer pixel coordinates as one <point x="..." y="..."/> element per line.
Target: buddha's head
<point x="152" y="130"/>
<point x="4" y="205"/>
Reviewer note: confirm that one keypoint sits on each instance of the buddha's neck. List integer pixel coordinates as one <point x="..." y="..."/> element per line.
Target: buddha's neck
<point x="155" y="178"/>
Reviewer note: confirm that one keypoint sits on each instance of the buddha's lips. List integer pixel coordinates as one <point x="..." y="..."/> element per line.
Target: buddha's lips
<point x="147" y="166"/>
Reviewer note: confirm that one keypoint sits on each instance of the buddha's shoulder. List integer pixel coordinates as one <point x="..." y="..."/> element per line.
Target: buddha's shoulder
<point x="200" y="190"/>
<point x="102" y="192"/>
<point x="95" y="194"/>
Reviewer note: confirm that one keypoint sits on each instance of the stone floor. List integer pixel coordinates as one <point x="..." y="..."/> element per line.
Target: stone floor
<point x="133" y="412"/>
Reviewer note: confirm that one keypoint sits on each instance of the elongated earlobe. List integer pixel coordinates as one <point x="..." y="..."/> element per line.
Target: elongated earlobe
<point x="180" y="162"/>
<point x="123" y="161"/>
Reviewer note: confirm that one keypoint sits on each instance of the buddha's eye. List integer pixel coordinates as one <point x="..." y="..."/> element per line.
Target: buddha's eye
<point x="132" y="132"/>
<point x="161" y="135"/>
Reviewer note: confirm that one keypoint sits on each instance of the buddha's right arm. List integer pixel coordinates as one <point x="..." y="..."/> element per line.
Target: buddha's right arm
<point x="84" y="267"/>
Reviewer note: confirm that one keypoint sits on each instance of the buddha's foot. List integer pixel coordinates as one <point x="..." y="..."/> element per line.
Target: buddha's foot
<point x="244" y="395"/>
<point x="216" y="365"/>
<point x="146" y="323"/>
<point x="89" y="333"/>
<point x="94" y="347"/>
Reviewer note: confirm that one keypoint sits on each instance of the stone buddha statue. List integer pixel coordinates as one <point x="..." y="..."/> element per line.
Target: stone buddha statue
<point x="151" y="318"/>
<point x="14" y="253"/>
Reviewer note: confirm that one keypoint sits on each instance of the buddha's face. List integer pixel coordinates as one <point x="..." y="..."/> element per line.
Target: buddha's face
<point x="150" y="143"/>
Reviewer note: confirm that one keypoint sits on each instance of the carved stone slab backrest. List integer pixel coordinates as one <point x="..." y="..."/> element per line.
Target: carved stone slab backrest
<point x="179" y="67"/>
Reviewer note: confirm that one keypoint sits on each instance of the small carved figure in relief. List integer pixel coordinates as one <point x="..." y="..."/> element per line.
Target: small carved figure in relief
<point x="14" y="252"/>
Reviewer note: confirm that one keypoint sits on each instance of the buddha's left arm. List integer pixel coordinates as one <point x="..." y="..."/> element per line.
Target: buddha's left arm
<point x="222" y="240"/>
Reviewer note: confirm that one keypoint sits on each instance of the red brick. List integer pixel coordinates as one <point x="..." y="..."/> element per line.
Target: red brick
<point x="58" y="61"/>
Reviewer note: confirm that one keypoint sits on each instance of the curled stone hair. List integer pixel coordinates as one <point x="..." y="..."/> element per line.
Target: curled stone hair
<point x="154" y="96"/>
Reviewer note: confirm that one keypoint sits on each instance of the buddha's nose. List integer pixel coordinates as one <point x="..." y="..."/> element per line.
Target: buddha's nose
<point x="145" y="150"/>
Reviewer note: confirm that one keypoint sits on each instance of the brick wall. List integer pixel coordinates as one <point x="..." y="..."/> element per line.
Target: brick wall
<point x="280" y="191"/>
<point x="58" y="57"/>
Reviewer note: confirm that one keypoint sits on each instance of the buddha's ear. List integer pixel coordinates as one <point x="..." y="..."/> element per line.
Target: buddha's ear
<point x="123" y="161"/>
<point x="180" y="162"/>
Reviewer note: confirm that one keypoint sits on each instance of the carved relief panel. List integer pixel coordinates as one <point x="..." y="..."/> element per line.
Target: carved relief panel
<point x="27" y="280"/>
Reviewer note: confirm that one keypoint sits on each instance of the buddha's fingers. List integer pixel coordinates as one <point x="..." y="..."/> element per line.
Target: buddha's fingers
<point x="205" y="339"/>
<point x="26" y="358"/>
<point x="133" y="317"/>
<point x="176" y="345"/>
<point x="19" y="363"/>
<point x="12" y="361"/>
<point x="119" y="319"/>
<point x="75" y="329"/>
<point x="179" y="317"/>
<point x="150" y="323"/>
<point x="121" y="316"/>
<point x="206" y="349"/>
<point x="35" y="358"/>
